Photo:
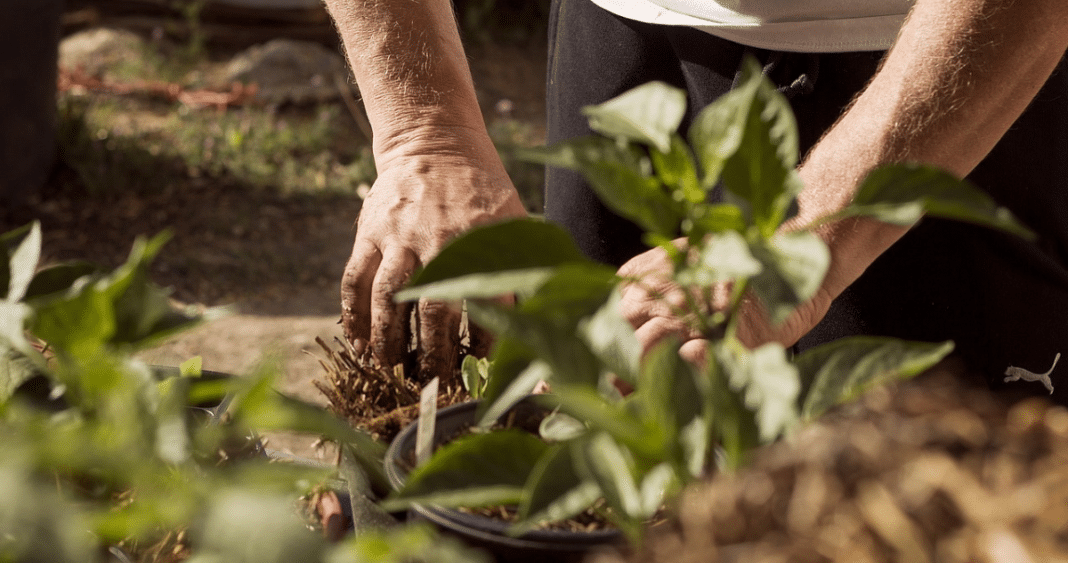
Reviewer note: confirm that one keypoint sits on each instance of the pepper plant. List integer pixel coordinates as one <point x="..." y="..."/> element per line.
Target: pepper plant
<point x="681" y="421"/>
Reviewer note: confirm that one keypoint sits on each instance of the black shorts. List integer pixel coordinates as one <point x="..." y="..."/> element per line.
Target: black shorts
<point x="1004" y="301"/>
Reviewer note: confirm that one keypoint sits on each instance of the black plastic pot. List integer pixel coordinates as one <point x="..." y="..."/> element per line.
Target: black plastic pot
<point x="541" y="546"/>
<point x="29" y="47"/>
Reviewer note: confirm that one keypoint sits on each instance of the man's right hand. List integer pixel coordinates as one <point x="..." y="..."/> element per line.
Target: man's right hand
<point x="418" y="204"/>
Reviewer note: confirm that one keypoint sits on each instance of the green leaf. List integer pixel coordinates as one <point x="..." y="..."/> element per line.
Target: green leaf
<point x="666" y="391"/>
<point x="15" y="369"/>
<point x="587" y="405"/>
<point x="513" y="373"/>
<point x="555" y="343"/>
<point x="560" y="427"/>
<point x="615" y="473"/>
<point x="474" y="371"/>
<point x="731" y="423"/>
<point x="713" y="218"/>
<point x="572" y="293"/>
<point x="771" y="386"/>
<point x="620" y="177"/>
<point x="474" y="286"/>
<point x="724" y="257"/>
<point x="676" y="169"/>
<point x="58" y="278"/>
<point x="761" y="169"/>
<point x="717" y="131"/>
<point x="901" y="194"/>
<point x="22" y="261"/>
<point x="518" y="244"/>
<point x="795" y="264"/>
<point x="841" y="370"/>
<point x="555" y="491"/>
<point x="193" y="367"/>
<point x="648" y="114"/>
<point x="611" y="338"/>
<point x="473" y="470"/>
<point x="657" y="485"/>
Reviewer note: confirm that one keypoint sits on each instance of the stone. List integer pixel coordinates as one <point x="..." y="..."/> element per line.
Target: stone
<point x="287" y="70"/>
<point x="101" y="52"/>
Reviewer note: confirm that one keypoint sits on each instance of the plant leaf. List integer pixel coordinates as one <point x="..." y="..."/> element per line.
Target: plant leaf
<point x="657" y="484"/>
<point x="771" y="386"/>
<point x="473" y="470"/>
<point x="676" y="169"/>
<point x="795" y="264"/>
<point x="901" y="194"/>
<point x="518" y="244"/>
<point x="843" y="369"/>
<point x="620" y="177"/>
<point x="724" y="257"/>
<point x="761" y="170"/>
<point x="555" y="491"/>
<point x="611" y="338"/>
<point x="615" y="473"/>
<point x="483" y="285"/>
<point x="585" y="404"/>
<point x="22" y="262"/>
<point x="57" y="278"/>
<point x="648" y="114"/>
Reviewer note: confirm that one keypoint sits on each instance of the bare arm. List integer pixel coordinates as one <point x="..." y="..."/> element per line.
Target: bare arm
<point x="960" y="73"/>
<point x="439" y="173"/>
<point x="958" y="76"/>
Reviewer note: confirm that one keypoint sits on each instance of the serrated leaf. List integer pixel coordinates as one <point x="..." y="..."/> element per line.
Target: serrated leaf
<point x="795" y="264"/>
<point x="731" y="423"/>
<point x="761" y="170"/>
<point x="841" y="370"/>
<point x="717" y="132"/>
<point x="724" y="257"/>
<point x="901" y="194"/>
<point x="769" y="384"/>
<point x="473" y="470"/>
<point x="648" y="114"/>
<point x="518" y="244"/>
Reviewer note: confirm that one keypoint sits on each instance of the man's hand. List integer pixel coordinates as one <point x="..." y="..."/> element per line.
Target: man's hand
<point x="657" y="308"/>
<point x="416" y="206"/>
<point x="439" y="173"/>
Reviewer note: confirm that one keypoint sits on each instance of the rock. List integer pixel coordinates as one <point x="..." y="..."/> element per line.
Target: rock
<point x="101" y="52"/>
<point x="287" y="70"/>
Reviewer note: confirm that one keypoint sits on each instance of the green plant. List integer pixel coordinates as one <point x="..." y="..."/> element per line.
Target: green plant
<point x="680" y="421"/>
<point x="101" y="450"/>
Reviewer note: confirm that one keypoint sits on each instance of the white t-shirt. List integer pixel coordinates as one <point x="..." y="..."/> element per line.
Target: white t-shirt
<point x="816" y="26"/>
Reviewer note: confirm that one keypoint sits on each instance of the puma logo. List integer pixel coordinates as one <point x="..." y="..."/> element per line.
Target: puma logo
<point x="1015" y="374"/>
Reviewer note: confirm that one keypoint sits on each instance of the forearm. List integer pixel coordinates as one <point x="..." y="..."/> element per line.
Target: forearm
<point x="412" y="74"/>
<point x="959" y="75"/>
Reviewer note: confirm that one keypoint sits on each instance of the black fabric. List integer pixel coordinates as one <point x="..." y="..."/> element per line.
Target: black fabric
<point x="1001" y="299"/>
